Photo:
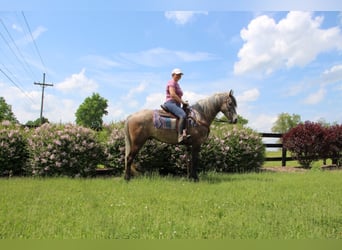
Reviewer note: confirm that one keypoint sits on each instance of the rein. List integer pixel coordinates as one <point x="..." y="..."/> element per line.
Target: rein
<point x="200" y="122"/>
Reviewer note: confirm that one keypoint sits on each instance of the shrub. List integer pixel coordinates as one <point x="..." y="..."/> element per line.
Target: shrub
<point x="64" y="150"/>
<point x="115" y="151"/>
<point x="236" y="150"/>
<point x="13" y="149"/>
<point x="332" y="147"/>
<point x="156" y="156"/>
<point x="305" y="142"/>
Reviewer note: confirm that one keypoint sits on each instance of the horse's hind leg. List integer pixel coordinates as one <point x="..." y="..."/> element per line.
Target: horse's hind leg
<point x="133" y="143"/>
<point x="129" y="160"/>
<point x="129" y="153"/>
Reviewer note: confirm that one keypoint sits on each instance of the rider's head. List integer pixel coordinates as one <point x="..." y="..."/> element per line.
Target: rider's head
<point x="176" y="71"/>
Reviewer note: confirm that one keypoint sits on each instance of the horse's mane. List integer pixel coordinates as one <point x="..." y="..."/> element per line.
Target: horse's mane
<point x="212" y="103"/>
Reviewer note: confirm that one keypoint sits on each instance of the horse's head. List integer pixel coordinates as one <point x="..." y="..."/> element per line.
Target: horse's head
<point x="228" y="107"/>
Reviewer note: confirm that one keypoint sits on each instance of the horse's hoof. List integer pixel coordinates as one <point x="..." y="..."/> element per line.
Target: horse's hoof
<point x="194" y="179"/>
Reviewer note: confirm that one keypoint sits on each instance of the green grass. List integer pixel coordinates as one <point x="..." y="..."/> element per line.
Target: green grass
<point x="230" y="206"/>
<point x="277" y="153"/>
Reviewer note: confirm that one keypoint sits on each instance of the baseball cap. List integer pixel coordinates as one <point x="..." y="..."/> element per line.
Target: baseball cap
<point x="177" y="71"/>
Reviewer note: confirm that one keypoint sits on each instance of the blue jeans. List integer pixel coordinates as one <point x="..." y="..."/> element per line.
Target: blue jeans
<point x="175" y="108"/>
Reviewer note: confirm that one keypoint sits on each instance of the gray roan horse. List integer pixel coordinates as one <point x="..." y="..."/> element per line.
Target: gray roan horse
<point x="139" y="127"/>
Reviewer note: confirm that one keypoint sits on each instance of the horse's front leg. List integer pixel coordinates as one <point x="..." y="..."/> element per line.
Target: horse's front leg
<point x="192" y="172"/>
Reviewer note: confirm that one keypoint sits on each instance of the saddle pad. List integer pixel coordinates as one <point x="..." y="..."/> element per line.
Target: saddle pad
<point x="162" y="122"/>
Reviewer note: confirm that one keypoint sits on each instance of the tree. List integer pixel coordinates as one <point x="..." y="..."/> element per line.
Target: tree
<point x="37" y="122"/>
<point x="285" y="122"/>
<point x="6" y="111"/>
<point x="90" y="112"/>
<point x="241" y="121"/>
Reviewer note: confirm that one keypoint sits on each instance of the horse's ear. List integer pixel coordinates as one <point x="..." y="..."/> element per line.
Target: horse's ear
<point x="231" y="92"/>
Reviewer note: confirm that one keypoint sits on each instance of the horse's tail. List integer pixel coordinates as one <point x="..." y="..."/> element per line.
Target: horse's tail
<point x="127" y="141"/>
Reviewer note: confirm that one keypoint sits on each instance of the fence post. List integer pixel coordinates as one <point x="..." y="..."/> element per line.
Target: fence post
<point x="283" y="157"/>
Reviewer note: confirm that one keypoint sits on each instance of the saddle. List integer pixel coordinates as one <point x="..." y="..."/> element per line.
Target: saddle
<point x="165" y="112"/>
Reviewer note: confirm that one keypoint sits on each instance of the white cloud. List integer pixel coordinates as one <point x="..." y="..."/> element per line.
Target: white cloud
<point x="315" y="98"/>
<point x="100" y="61"/>
<point x="334" y="74"/>
<point x="154" y="100"/>
<point x="77" y="83"/>
<point x="262" y="122"/>
<point x="22" y="104"/>
<point x="295" y="40"/>
<point x="249" y="95"/>
<point x="60" y="110"/>
<point x="17" y="28"/>
<point x="158" y="57"/>
<point x="183" y="17"/>
<point x="193" y="97"/>
<point x="115" y="112"/>
<point x="135" y="90"/>
<point x="35" y="34"/>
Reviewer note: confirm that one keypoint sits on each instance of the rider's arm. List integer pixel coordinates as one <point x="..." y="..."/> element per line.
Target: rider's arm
<point x="174" y="96"/>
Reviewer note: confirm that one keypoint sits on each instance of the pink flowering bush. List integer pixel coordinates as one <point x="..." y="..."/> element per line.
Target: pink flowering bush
<point x="115" y="151"/>
<point x="66" y="150"/>
<point x="235" y="150"/>
<point x="13" y="149"/>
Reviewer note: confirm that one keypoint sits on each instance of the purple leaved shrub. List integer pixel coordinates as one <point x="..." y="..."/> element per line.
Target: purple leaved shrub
<point x="13" y="149"/>
<point x="333" y="144"/>
<point x="307" y="142"/>
<point x="64" y="150"/>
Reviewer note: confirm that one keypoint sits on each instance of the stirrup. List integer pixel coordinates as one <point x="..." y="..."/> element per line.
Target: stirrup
<point x="182" y="138"/>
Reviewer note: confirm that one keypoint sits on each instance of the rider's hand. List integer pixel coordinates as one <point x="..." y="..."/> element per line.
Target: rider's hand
<point x="186" y="103"/>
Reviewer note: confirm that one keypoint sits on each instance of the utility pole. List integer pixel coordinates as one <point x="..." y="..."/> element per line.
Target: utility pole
<point x="43" y="84"/>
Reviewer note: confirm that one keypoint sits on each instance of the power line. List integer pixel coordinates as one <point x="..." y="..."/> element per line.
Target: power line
<point x="15" y="54"/>
<point x="34" y="42"/>
<point x="15" y="44"/>
<point x="16" y="85"/>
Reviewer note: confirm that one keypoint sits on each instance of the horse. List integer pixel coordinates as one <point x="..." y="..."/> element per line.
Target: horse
<point x="139" y="127"/>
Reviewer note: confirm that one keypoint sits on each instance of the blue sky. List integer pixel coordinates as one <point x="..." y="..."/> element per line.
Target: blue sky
<point x="275" y="61"/>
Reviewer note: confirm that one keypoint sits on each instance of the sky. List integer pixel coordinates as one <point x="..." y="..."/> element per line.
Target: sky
<point x="274" y="59"/>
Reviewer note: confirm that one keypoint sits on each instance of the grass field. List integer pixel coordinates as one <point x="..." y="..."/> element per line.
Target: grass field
<point x="221" y="206"/>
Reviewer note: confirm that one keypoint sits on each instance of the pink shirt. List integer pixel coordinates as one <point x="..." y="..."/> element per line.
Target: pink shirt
<point x="177" y="88"/>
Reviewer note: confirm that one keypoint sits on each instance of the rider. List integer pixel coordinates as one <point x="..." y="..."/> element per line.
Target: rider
<point x="174" y="100"/>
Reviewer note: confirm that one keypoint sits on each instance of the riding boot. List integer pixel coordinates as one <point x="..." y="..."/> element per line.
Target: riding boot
<point x="180" y="129"/>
